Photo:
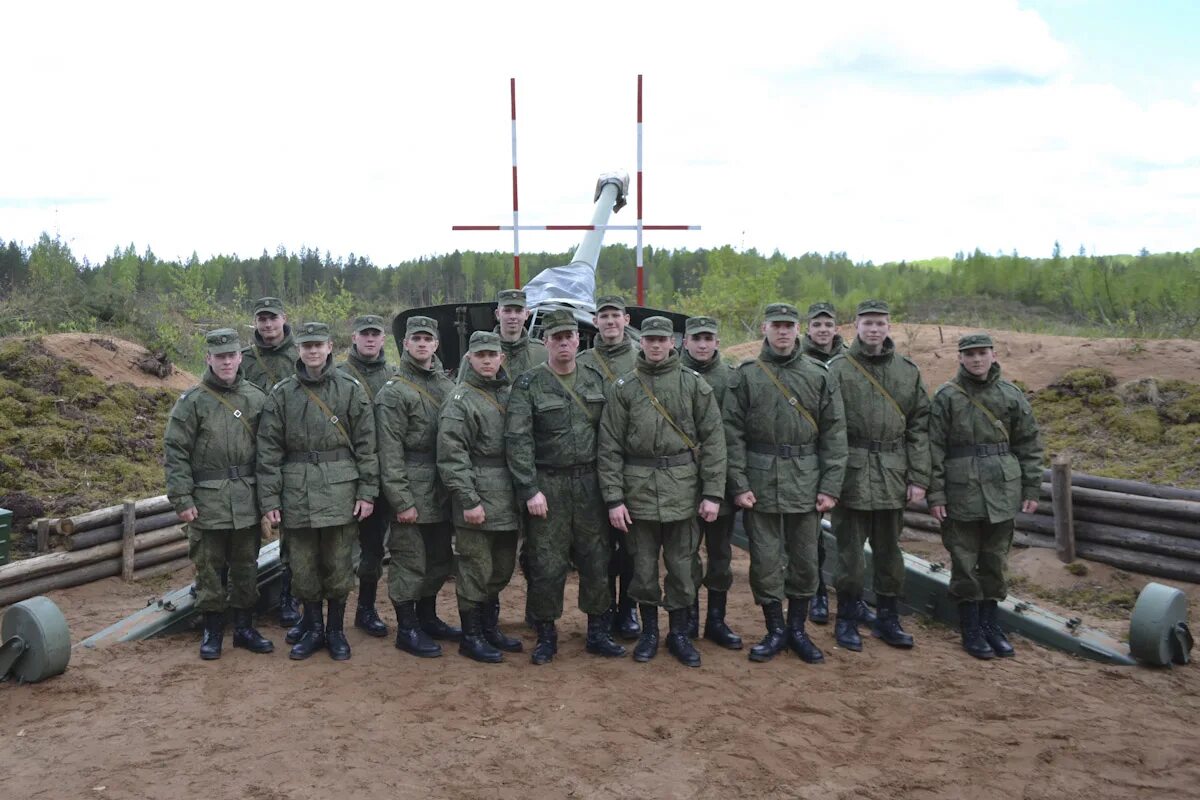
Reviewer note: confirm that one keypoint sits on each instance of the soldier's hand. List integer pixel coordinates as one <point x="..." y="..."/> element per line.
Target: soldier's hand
<point x="745" y="500"/>
<point x="474" y="516"/>
<point x="1029" y="507"/>
<point x="939" y="513"/>
<point x="915" y="493"/>
<point x="537" y="505"/>
<point x="189" y="514"/>
<point x="363" y="509"/>
<point x="407" y="517"/>
<point x="708" y="510"/>
<point x="272" y="516"/>
<point x="825" y="503"/>
<point x="619" y="518"/>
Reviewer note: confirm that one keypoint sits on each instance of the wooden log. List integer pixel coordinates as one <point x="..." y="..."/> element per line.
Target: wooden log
<point x="165" y="568"/>
<point x="1146" y="563"/>
<point x="112" y="533"/>
<point x="1115" y="536"/>
<point x="922" y="522"/>
<point x="1128" y="519"/>
<point x="128" y="532"/>
<point x="1176" y="509"/>
<point x="1060" y="498"/>
<point x="1160" y="491"/>
<point x="43" y="535"/>
<point x="48" y="564"/>
<point x="91" y="572"/>
<point x="110" y="515"/>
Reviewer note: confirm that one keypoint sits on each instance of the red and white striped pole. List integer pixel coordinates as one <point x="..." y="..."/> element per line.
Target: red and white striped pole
<point x="512" y="90"/>
<point x="641" y="284"/>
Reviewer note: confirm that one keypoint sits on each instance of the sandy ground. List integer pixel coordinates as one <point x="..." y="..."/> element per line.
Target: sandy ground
<point x="151" y="720"/>
<point x="112" y="360"/>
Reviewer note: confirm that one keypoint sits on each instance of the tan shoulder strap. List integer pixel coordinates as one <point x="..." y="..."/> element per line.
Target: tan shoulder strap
<point x="486" y="396"/>
<point x="332" y="417"/>
<point x="661" y="409"/>
<point x="419" y="390"/>
<point x="237" y="412"/>
<point x="878" y="386"/>
<point x="608" y="373"/>
<point x="792" y="400"/>
<point x="361" y="379"/>
<point x="270" y="372"/>
<point x="578" y="400"/>
<point x="987" y="412"/>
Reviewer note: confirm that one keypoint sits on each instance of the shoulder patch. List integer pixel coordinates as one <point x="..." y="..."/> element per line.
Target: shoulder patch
<point x="188" y="391"/>
<point x="620" y="381"/>
<point x="909" y="360"/>
<point x="838" y="357"/>
<point x="524" y="381"/>
<point x="694" y="372"/>
<point x="457" y="396"/>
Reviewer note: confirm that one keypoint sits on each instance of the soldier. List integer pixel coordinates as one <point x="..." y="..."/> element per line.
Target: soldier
<point x="887" y="429"/>
<point x="366" y="363"/>
<point x="823" y="342"/>
<point x="470" y="455"/>
<point x="406" y="421"/>
<point x="270" y="359"/>
<point x="701" y="353"/>
<point x="987" y="464"/>
<point x="662" y="461"/>
<point x="209" y="451"/>
<point x="521" y="352"/>
<point x="317" y="475"/>
<point x="550" y="434"/>
<point x="613" y="352"/>
<point x="787" y="455"/>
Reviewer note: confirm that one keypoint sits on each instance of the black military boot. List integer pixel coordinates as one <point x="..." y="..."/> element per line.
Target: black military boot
<point x="887" y="623"/>
<point x="845" y="629"/>
<point x="434" y="627"/>
<point x="335" y="634"/>
<point x="864" y="613"/>
<point x="818" y="609"/>
<point x="295" y="632"/>
<point x="472" y="644"/>
<point x="366" y="618"/>
<point x="288" y="615"/>
<point x="547" y="642"/>
<point x="715" y="629"/>
<point x="625" y="620"/>
<point x="599" y="636"/>
<point x="214" y="633"/>
<point x="973" y="640"/>
<point x="647" y="644"/>
<point x="409" y="636"/>
<point x="694" y="617"/>
<point x="992" y="630"/>
<point x="313" y="638"/>
<point x="776" y="637"/>
<point x="798" y="639"/>
<point x="244" y="634"/>
<point x="679" y="643"/>
<point x="491" y="628"/>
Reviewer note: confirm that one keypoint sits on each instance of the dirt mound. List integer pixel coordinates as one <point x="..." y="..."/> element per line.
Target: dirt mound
<point x="114" y="360"/>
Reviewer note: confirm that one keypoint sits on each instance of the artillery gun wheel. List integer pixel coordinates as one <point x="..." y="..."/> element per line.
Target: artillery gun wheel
<point x="1158" y="630"/>
<point x="35" y="642"/>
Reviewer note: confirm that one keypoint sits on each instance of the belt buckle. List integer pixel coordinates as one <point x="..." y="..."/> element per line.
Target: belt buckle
<point x="662" y="462"/>
<point x="785" y="451"/>
<point x="313" y="456"/>
<point x="233" y="473"/>
<point x="875" y="446"/>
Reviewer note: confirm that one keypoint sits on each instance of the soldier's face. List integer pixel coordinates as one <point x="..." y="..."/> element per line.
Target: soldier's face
<point x="315" y="354"/>
<point x="872" y="329"/>
<point x="977" y="360"/>
<point x="512" y="321"/>
<point x="821" y="330"/>
<point x="563" y="346"/>
<point x="486" y="362"/>
<point x="656" y="348"/>
<point x="421" y="347"/>
<point x="368" y="342"/>
<point x="270" y="326"/>
<point x="701" y="346"/>
<point x="224" y="365"/>
<point x="781" y="335"/>
<point x="611" y="322"/>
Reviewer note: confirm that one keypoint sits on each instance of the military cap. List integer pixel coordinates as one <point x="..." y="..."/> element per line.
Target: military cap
<point x="484" y="340"/>
<point x="270" y="305"/>
<point x="368" y="322"/>
<point x="312" y="332"/>
<point x="872" y="307"/>
<point x="610" y="301"/>
<point x="657" y="326"/>
<point x="696" y="325"/>
<point x="971" y="340"/>
<point x="222" y="340"/>
<point x="510" y="297"/>
<point x="817" y="309"/>
<point x="557" y="321"/>
<point x="421" y="325"/>
<point x="781" y="312"/>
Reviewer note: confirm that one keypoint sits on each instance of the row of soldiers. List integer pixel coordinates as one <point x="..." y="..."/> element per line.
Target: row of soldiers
<point x="545" y="440"/>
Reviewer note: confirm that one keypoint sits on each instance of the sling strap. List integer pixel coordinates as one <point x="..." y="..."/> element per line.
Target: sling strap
<point x="361" y="378"/>
<point x="687" y="440"/>
<point x="608" y="373"/>
<point x="792" y="400"/>
<point x="578" y="400"/>
<point x="878" y="387"/>
<point x="487" y="397"/>
<point x="237" y="412"/>
<point x="332" y="417"/>
<point x="999" y="425"/>
<point x="412" y="385"/>
<point x="270" y="372"/>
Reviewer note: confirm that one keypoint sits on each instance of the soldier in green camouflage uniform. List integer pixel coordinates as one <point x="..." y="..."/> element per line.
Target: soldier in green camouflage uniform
<point x="701" y="352"/>
<point x="406" y="422"/>
<point x="318" y="475"/>
<point x="208" y="450"/>
<point x="550" y="434"/>
<point x="521" y="353"/>
<point x="472" y="466"/>
<point x="367" y="363"/>
<point x="887" y="429"/>
<point x="787" y="454"/>
<point x="268" y="360"/>
<point x="662" y="462"/>
<point x="987" y="466"/>
<point x="613" y="352"/>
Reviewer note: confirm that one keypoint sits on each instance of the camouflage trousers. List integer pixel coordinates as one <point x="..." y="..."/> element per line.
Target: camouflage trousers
<point x="422" y="560"/>
<point x="978" y="558"/>
<point x="215" y="551"/>
<point x="783" y="554"/>
<point x="853" y="528"/>
<point x="575" y="531"/>
<point x="486" y="560"/>
<point x="367" y="549"/>
<point x="322" y="563"/>
<point x="679" y="544"/>
<point x="717" y="573"/>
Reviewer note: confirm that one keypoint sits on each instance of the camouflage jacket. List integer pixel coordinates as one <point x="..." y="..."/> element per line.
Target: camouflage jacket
<point x="371" y="375"/>
<point x="406" y="425"/>
<point x="720" y="375"/>
<point x="813" y="351"/>
<point x="889" y="442"/>
<point x="207" y="435"/>
<point x="265" y="366"/>
<point x="613" y="360"/>
<point x="761" y="420"/>
<point x="519" y="357"/>
<point x="633" y="430"/>
<point x="316" y="491"/>
<point x="974" y="486"/>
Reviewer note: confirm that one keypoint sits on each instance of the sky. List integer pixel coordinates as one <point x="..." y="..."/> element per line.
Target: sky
<point x="888" y="131"/>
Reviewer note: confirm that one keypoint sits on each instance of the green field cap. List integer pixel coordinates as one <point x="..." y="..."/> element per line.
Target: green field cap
<point x="312" y="332"/>
<point x="872" y="307"/>
<point x="421" y="325"/>
<point x="484" y="340"/>
<point x="817" y="309"/>
<point x="368" y="322"/>
<point x="558" y="321"/>
<point x="510" y="297"/>
<point x="696" y="325"/>
<point x="971" y="340"/>
<point x="269" y="305"/>
<point x="222" y="340"/>
<point x="657" y="326"/>
<point x="610" y="301"/>
<point x="781" y="312"/>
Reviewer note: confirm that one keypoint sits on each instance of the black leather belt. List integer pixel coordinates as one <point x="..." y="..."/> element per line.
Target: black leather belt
<point x="419" y="457"/>
<point x="782" y="450"/>
<point x="229" y="473"/>
<point x="489" y="461"/>
<point x="662" y="462"/>
<point x="319" y="456"/>
<point x="978" y="450"/>
<point x="876" y="446"/>
<point x="570" y="471"/>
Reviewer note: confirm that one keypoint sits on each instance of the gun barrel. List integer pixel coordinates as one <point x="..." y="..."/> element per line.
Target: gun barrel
<point x="611" y="189"/>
